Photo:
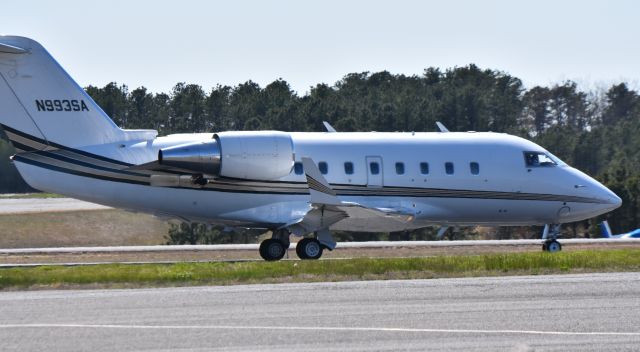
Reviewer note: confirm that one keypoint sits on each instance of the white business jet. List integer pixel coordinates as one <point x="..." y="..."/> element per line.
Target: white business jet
<point x="305" y="184"/>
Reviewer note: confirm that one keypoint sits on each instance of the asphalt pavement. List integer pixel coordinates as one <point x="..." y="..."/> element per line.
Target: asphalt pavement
<point x="590" y="312"/>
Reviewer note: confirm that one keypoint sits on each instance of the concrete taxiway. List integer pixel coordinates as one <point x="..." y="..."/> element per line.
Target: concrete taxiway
<point x="564" y="312"/>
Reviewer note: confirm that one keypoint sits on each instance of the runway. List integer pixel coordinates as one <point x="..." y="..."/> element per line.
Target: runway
<point x="565" y="312"/>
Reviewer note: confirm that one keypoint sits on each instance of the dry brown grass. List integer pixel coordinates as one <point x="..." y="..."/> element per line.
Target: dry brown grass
<point x="81" y="228"/>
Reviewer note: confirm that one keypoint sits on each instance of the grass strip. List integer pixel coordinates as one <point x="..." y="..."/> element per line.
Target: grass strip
<point x="222" y="273"/>
<point x="29" y="195"/>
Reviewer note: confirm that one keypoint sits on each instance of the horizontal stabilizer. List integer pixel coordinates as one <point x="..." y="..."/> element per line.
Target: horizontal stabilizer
<point x="12" y="49"/>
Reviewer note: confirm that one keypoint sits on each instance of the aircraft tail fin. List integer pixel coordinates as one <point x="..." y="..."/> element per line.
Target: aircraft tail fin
<point x="605" y="230"/>
<point x="41" y="105"/>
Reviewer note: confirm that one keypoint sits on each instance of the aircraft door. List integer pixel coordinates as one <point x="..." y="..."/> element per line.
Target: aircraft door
<point x="374" y="171"/>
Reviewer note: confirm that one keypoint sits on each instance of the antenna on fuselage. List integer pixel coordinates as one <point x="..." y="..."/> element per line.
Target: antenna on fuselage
<point x="329" y="128"/>
<point x="441" y="127"/>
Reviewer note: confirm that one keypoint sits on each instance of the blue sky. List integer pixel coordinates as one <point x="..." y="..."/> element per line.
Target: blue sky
<point x="159" y="43"/>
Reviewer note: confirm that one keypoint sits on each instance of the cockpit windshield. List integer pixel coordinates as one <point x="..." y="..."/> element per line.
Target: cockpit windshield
<point x="556" y="159"/>
<point x="536" y="159"/>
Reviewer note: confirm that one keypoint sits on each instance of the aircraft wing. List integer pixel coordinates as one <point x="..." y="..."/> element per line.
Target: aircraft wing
<point x="327" y="210"/>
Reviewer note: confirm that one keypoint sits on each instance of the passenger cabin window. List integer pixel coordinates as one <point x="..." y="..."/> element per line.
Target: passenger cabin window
<point x="424" y="168"/>
<point x="535" y="159"/>
<point x="400" y="168"/>
<point x="298" y="169"/>
<point x="474" y="167"/>
<point x="348" y="168"/>
<point x="374" y="167"/>
<point x="448" y="168"/>
<point x="324" y="168"/>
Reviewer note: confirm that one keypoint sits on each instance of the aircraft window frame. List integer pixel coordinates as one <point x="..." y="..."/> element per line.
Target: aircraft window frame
<point x="323" y="167"/>
<point x="399" y="168"/>
<point x="557" y="160"/>
<point x="449" y="168"/>
<point x="533" y="159"/>
<point x="348" y="167"/>
<point x="474" y="168"/>
<point x="424" y="168"/>
<point x="375" y="171"/>
<point x="298" y="169"/>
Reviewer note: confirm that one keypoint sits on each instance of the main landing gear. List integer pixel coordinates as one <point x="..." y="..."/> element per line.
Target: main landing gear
<point x="275" y="248"/>
<point x="272" y="249"/>
<point x="550" y="235"/>
<point x="309" y="248"/>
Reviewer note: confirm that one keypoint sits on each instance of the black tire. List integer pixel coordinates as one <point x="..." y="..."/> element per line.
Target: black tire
<point x="544" y="246"/>
<point x="553" y="246"/>
<point x="272" y="250"/>
<point x="299" y="250"/>
<point x="309" y="248"/>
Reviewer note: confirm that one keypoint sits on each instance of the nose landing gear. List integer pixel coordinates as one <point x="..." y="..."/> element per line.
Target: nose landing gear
<point x="551" y="246"/>
<point x="550" y="235"/>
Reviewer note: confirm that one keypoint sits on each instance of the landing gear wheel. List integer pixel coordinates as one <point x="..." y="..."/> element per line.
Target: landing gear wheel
<point x="272" y="249"/>
<point x="552" y="246"/>
<point x="309" y="248"/>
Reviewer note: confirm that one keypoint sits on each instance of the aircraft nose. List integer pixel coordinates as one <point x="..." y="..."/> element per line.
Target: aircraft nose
<point x="614" y="200"/>
<point x="609" y="198"/>
<point x="599" y="198"/>
<point x="592" y="188"/>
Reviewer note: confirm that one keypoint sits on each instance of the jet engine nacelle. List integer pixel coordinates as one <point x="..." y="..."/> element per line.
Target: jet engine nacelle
<point x="258" y="155"/>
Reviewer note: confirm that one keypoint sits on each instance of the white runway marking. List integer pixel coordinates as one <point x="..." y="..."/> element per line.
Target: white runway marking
<point x="45" y="205"/>
<point x="318" y="328"/>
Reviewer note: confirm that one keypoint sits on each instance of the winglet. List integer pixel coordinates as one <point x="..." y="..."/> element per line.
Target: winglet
<point x="329" y="128"/>
<point x="441" y="127"/>
<point x="605" y="229"/>
<point x="319" y="189"/>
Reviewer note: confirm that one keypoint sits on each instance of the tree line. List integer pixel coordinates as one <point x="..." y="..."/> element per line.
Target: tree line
<point x="595" y="131"/>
